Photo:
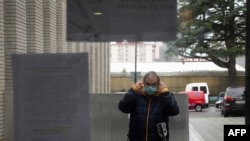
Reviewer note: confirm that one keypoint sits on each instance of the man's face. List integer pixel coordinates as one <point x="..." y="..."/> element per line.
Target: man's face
<point x="151" y="81"/>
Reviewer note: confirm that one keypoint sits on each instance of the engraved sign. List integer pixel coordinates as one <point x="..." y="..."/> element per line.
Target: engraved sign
<point x="51" y="97"/>
<point x="116" y="20"/>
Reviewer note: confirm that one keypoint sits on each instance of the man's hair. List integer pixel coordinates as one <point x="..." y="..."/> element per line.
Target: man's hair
<point x="151" y="74"/>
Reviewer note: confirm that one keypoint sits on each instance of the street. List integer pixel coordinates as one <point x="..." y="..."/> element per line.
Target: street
<point x="208" y="125"/>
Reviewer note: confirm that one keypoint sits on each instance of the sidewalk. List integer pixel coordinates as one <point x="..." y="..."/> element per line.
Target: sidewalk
<point x="194" y="135"/>
<point x="211" y="128"/>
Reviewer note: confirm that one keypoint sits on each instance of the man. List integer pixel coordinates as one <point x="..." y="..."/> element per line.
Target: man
<point x="149" y="104"/>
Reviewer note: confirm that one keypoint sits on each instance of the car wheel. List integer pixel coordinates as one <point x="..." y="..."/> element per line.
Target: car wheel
<point x="225" y="113"/>
<point x="198" y="108"/>
<point x="207" y="106"/>
<point x="219" y="106"/>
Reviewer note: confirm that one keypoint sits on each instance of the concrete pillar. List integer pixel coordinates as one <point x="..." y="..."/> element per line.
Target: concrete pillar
<point x="79" y="47"/>
<point x="2" y="69"/>
<point x="49" y="26"/>
<point x="107" y="68"/>
<point x="92" y="67"/>
<point x="102" y="61"/>
<point x="98" y="67"/>
<point x="98" y="54"/>
<point x="34" y="26"/>
<point x="86" y="48"/>
<point x="104" y="67"/>
<point x="71" y="47"/>
<point x="91" y="56"/>
<point x="61" y="26"/>
<point x="14" y="43"/>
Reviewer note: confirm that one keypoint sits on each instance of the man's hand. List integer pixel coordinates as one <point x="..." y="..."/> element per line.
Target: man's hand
<point x="162" y="85"/>
<point x="139" y="84"/>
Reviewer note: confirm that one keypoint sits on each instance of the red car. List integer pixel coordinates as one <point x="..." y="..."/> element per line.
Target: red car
<point x="196" y="100"/>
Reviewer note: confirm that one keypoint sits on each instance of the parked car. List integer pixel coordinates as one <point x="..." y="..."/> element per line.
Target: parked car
<point x="220" y="97"/>
<point x="199" y="86"/>
<point x="233" y="101"/>
<point x="196" y="100"/>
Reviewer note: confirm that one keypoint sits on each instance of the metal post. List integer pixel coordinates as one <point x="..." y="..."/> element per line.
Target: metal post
<point x="135" y="79"/>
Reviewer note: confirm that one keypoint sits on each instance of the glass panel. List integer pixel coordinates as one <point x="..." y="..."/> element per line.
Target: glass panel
<point x="204" y="89"/>
<point x="195" y="88"/>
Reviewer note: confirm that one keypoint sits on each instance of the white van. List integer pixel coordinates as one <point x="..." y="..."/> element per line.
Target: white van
<point x="199" y="86"/>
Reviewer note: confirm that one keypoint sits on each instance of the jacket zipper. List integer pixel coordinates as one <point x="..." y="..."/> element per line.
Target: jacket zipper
<point x="149" y="103"/>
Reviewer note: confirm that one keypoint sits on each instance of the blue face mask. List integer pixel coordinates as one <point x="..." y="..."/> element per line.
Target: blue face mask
<point x="150" y="90"/>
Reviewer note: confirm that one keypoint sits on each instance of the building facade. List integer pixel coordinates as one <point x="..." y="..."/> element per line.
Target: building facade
<point x="129" y="51"/>
<point x="39" y="26"/>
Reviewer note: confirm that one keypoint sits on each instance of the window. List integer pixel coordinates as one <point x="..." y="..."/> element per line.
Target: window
<point x="195" y="89"/>
<point x="204" y="89"/>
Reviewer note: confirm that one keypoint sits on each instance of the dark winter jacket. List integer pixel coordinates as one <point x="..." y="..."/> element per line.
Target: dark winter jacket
<point x="147" y="111"/>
